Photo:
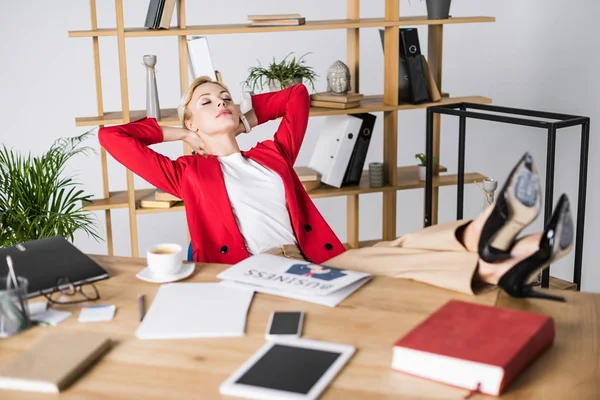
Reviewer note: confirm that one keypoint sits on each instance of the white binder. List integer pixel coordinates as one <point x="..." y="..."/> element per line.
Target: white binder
<point x="334" y="148"/>
<point x="200" y="61"/>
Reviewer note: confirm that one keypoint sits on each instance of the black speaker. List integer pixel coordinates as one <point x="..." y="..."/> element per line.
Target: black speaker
<point x="411" y="51"/>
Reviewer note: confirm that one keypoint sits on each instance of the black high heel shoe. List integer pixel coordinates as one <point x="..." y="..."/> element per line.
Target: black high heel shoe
<point x="517" y="205"/>
<point x="556" y="242"/>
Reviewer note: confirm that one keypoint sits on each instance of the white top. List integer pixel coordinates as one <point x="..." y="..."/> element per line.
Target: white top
<point x="257" y="196"/>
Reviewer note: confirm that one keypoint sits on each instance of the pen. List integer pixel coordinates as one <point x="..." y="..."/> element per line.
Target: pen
<point x="141" y="305"/>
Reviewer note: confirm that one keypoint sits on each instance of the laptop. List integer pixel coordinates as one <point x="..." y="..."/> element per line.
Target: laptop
<point x="44" y="261"/>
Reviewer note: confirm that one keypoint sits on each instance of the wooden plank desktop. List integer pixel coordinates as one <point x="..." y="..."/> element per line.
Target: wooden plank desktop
<point x="371" y="319"/>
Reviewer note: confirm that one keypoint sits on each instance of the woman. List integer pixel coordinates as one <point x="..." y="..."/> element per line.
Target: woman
<point x="240" y="203"/>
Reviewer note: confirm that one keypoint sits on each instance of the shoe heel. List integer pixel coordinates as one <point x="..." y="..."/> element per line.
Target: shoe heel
<point x="556" y="242"/>
<point x="518" y="204"/>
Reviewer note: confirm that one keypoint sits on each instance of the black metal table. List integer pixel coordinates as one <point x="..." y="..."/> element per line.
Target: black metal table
<point x="485" y="113"/>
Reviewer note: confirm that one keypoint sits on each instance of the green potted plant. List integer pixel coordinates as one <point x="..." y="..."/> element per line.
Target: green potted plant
<point x="37" y="200"/>
<point x="279" y="75"/>
<point x="438" y="9"/>
<point x="422" y="166"/>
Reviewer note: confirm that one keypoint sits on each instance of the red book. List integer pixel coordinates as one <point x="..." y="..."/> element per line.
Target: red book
<point x="474" y="346"/>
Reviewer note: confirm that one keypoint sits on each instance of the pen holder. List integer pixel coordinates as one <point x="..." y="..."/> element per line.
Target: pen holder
<point x="14" y="311"/>
<point x="376" y="174"/>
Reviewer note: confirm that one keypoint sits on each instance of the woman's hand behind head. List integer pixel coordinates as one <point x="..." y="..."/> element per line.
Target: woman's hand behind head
<point x="196" y="143"/>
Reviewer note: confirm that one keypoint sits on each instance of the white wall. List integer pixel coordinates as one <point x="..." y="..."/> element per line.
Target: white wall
<point x="537" y="55"/>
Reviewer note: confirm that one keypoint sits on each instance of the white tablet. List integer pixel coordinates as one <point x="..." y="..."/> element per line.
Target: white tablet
<point x="288" y="368"/>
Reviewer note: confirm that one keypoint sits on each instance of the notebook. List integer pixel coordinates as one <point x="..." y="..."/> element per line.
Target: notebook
<point x="46" y="260"/>
<point x="54" y="362"/>
<point x="196" y="310"/>
<point x="474" y="346"/>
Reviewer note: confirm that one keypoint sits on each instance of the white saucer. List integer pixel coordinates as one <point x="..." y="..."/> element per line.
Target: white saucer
<point x="184" y="271"/>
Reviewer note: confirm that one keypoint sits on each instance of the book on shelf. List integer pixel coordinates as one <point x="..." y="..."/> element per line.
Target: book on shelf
<point x="161" y="195"/>
<point x="434" y="91"/>
<point x="151" y="202"/>
<point x="159" y="14"/>
<point x="334" y="104"/>
<point x="473" y="346"/>
<point x="276" y="19"/>
<point x="310" y="178"/>
<point x="349" y="97"/>
<point x="261" y="17"/>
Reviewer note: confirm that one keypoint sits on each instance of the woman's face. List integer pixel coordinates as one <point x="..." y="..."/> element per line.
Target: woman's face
<point x="212" y="110"/>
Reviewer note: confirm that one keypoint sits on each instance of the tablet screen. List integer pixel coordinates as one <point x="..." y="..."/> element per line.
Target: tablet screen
<point x="288" y="368"/>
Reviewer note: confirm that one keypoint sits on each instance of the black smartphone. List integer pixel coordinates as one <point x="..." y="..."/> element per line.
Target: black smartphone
<point x="285" y="324"/>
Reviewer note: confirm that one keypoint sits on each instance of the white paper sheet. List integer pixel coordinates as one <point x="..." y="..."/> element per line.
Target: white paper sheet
<point x="196" y="310"/>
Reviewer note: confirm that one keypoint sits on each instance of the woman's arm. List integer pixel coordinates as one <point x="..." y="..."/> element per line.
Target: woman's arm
<point x="293" y="105"/>
<point x="128" y="144"/>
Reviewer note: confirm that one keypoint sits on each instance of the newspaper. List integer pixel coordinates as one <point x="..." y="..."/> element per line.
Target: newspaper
<point x="296" y="279"/>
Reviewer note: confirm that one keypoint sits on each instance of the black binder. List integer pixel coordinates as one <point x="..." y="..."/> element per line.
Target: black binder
<point x="46" y="260"/>
<point x="411" y="51"/>
<point x="403" y="84"/>
<point x="359" y="152"/>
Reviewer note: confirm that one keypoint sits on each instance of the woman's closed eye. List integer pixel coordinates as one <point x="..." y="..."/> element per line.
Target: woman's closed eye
<point x="206" y="101"/>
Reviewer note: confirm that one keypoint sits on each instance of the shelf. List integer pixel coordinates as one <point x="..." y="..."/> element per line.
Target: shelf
<point x="407" y="179"/>
<point x="116" y="200"/>
<point x="308" y="26"/>
<point x="422" y="20"/>
<point x="370" y="103"/>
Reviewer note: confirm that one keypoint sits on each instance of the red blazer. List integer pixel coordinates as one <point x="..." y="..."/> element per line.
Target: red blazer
<point x="198" y="180"/>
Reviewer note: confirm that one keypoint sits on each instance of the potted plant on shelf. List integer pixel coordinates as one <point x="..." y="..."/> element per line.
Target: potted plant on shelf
<point x="279" y="75"/>
<point x="438" y="9"/>
<point x="422" y="166"/>
<point x="37" y="200"/>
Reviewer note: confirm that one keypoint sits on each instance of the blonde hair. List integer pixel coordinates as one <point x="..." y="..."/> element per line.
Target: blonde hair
<point x="182" y="111"/>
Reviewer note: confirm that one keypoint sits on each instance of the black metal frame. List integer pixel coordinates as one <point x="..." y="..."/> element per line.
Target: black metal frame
<point x="562" y="121"/>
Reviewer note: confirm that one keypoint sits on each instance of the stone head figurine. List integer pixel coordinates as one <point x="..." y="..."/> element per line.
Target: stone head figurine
<point x="338" y="78"/>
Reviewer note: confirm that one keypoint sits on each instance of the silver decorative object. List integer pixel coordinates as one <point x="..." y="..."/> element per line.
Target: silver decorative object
<point x="376" y="174"/>
<point x="338" y="78"/>
<point x="152" y="104"/>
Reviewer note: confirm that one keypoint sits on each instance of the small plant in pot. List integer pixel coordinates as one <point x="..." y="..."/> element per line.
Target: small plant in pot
<point x="280" y="75"/>
<point x="422" y="166"/>
<point x="438" y="9"/>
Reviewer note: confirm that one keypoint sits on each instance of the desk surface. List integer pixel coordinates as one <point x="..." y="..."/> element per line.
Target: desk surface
<point x="371" y="319"/>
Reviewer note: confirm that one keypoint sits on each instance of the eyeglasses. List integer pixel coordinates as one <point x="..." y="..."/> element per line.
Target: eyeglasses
<point x="64" y="287"/>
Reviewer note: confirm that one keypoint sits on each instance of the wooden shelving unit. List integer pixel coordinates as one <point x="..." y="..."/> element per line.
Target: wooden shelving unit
<point x="399" y="177"/>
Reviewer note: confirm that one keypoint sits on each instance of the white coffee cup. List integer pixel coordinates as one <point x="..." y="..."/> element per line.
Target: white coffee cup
<point x="164" y="259"/>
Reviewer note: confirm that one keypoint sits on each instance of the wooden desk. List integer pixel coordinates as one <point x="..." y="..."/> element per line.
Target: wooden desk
<point x="371" y="319"/>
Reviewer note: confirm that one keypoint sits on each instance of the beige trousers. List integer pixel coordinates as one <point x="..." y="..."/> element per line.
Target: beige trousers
<point x="432" y="255"/>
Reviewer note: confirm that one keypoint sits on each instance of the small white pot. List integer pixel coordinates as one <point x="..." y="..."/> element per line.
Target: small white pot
<point x="422" y="172"/>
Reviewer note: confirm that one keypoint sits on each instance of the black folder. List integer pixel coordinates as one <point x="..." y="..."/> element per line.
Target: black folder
<point x="359" y="152"/>
<point x="46" y="260"/>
